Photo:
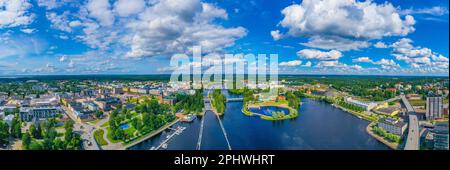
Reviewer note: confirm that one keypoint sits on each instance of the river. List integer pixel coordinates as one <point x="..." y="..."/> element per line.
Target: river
<point x="319" y="126"/>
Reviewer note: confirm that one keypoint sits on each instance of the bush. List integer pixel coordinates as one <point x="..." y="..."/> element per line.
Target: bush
<point x="98" y="134"/>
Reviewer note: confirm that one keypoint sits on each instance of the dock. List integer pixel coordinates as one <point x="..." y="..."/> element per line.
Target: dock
<point x="164" y="143"/>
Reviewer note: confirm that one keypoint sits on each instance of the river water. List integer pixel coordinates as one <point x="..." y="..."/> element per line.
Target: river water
<point x="318" y="126"/>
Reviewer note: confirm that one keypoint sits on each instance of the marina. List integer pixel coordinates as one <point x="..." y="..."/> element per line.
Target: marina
<point x="163" y="145"/>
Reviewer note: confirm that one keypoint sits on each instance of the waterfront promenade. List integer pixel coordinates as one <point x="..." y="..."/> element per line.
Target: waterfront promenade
<point x="391" y="145"/>
<point x="150" y="135"/>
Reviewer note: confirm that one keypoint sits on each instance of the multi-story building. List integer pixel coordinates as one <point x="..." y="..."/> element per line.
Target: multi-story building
<point x="169" y="100"/>
<point x="117" y="90"/>
<point x="46" y="101"/>
<point x="88" y="92"/>
<point x="434" y="107"/>
<point x="9" y="119"/>
<point x="392" y="126"/>
<point x="29" y="114"/>
<point x="366" y="105"/>
<point x="105" y="103"/>
<point x="90" y="105"/>
<point x="8" y="108"/>
<point x="440" y="136"/>
<point x="80" y="112"/>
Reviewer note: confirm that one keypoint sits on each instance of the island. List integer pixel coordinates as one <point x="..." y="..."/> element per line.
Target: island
<point x="272" y="108"/>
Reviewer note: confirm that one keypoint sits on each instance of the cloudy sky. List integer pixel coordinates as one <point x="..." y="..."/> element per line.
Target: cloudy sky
<point x="401" y="37"/>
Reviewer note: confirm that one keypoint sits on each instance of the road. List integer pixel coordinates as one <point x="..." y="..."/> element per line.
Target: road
<point x="412" y="141"/>
<point x="86" y="130"/>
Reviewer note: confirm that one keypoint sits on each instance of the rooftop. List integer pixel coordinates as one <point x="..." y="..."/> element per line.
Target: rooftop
<point x="393" y="122"/>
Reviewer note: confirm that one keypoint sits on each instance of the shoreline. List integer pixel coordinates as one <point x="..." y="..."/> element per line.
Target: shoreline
<point x="368" y="128"/>
<point x="150" y="135"/>
<point x="293" y="113"/>
<point x="391" y="145"/>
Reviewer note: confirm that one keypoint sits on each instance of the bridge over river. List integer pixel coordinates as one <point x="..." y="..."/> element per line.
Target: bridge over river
<point x="412" y="142"/>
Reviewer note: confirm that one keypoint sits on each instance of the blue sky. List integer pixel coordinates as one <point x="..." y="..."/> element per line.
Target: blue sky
<point x="400" y="37"/>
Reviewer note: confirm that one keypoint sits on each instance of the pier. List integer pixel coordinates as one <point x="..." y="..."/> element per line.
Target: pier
<point x="224" y="132"/>
<point x="163" y="144"/>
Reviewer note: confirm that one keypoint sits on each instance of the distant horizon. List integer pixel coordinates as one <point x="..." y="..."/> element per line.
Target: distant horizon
<point x="131" y="74"/>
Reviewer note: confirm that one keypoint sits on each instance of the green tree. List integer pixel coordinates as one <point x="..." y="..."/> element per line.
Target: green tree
<point x="35" y="145"/>
<point x="26" y="141"/>
<point x="98" y="114"/>
<point x="4" y="132"/>
<point x="35" y="131"/>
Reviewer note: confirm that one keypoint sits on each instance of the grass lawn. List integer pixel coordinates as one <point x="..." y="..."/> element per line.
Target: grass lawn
<point x="110" y="137"/>
<point x="95" y="121"/>
<point x="130" y="130"/>
<point x="417" y="102"/>
<point x="281" y="103"/>
<point x="98" y="134"/>
<point x="105" y="124"/>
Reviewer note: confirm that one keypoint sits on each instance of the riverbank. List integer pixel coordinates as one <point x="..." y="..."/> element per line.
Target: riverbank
<point x="368" y="118"/>
<point x="293" y="113"/>
<point x="213" y="109"/>
<point x="391" y="145"/>
<point x="359" y="115"/>
<point x="334" y="104"/>
<point x="150" y="135"/>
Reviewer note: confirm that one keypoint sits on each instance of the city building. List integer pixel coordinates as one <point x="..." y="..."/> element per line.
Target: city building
<point x="90" y="105"/>
<point x="88" y="92"/>
<point x="105" y="103"/>
<point x="28" y="114"/>
<point x="117" y="90"/>
<point x="445" y="110"/>
<point x="434" y="107"/>
<point x="45" y="101"/>
<point x="81" y="112"/>
<point x="392" y="126"/>
<point x="8" y="108"/>
<point x="366" y="105"/>
<point x="169" y="100"/>
<point x="414" y="97"/>
<point x="8" y="119"/>
<point x="440" y="137"/>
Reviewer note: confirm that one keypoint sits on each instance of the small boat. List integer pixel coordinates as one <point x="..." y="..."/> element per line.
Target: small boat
<point x="189" y="118"/>
<point x="164" y="146"/>
<point x="359" y="117"/>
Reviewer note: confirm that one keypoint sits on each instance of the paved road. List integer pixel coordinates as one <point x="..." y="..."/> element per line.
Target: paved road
<point x="86" y="130"/>
<point x="412" y="142"/>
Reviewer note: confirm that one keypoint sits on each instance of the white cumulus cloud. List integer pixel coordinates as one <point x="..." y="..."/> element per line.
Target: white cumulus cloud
<point x="15" y="13"/>
<point x="129" y="7"/>
<point x="291" y="63"/>
<point x="333" y="24"/>
<point x="319" y="55"/>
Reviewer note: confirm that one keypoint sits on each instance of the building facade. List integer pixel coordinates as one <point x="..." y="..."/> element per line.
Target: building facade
<point x="28" y="114"/>
<point x="440" y="136"/>
<point x="366" y="105"/>
<point x="393" y="126"/>
<point x="434" y="108"/>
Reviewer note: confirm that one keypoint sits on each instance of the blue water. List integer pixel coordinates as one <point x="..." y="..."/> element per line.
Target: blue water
<point x="268" y="110"/>
<point x="124" y="126"/>
<point x="318" y="126"/>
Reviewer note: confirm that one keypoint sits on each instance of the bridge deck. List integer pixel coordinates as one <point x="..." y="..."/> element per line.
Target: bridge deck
<point x="412" y="141"/>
